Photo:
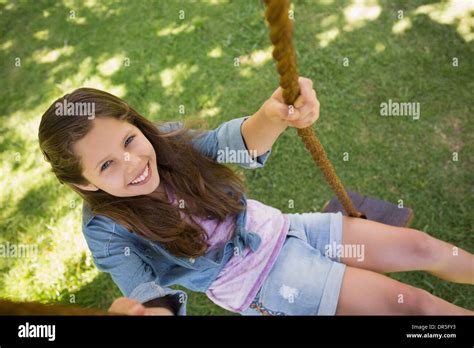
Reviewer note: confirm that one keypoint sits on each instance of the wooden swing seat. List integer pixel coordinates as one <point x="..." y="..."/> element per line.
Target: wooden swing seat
<point x="374" y="209"/>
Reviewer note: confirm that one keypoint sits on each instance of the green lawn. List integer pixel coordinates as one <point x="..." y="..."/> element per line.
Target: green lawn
<point x="156" y="61"/>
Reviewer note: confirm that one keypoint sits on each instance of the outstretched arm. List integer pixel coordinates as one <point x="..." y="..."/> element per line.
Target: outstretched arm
<point x="260" y="134"/>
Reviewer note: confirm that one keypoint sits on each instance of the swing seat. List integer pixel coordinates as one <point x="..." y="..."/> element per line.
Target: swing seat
<point x="374" y="209"/>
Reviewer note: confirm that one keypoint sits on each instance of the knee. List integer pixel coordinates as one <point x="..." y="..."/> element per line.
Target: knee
<point x="421" y="302"/>
<point x="424" y="247"/>
<point x="418" y="302"/>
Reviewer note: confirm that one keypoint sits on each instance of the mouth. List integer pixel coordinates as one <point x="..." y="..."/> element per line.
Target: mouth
<point x="143" y="178"/>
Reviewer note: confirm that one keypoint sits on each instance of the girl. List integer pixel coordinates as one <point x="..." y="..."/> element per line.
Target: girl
<point x="160" y="208"/>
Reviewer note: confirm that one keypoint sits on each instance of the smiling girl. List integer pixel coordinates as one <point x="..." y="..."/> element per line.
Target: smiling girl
<point x="161" y="208"/>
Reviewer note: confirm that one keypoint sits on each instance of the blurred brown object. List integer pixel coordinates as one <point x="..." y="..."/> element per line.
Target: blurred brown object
<point x="34" y="308"/>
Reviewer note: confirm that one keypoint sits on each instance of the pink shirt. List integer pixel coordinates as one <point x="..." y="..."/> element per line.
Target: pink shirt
<point x="239" y="281"/>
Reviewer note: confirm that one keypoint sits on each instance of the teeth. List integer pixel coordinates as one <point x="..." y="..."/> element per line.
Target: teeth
<point x="142" y="177"/>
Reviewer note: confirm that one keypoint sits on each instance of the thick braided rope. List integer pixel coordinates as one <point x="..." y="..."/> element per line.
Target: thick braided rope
<point x="281" y="29"/>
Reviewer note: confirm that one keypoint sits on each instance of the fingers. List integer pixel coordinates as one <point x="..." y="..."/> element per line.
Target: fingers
<point x="305" y="82"/>
<point x="306" y="106"/>
<point x="305" y="109"/>
<point x="299" y="102"/>
<point x="308" y="93"/>
<point x="293" y="113"/>
<point x="127" y="306"/>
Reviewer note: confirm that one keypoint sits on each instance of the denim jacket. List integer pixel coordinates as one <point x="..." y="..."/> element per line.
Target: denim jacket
<point x="143" y="269"/>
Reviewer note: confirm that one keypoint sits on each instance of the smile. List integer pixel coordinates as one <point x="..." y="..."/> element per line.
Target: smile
<point x="143" y="177"/>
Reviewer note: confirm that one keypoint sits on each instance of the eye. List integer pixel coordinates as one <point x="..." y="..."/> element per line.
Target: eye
<point x="128" y="141"/>
<point x="104" y="166"/>
<point x="129" y="138"/>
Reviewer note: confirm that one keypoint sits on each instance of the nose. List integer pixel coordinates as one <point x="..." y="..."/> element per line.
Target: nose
<point x="131" y="163"/>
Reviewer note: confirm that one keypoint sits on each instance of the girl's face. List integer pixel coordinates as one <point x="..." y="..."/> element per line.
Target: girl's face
<point x="118" y="159"/>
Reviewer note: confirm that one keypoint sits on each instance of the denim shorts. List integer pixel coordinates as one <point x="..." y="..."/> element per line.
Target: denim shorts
<point x="305" y="280"/>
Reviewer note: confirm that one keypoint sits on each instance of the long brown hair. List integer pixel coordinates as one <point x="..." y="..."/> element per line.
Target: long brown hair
<point x="209" y="189"/>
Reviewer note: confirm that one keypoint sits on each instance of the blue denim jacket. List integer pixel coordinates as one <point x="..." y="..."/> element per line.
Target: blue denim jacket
<point x="143" y="269"/>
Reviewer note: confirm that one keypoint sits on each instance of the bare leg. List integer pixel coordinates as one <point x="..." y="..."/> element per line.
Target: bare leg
<point x="397" y="249"/>
<point x="365" y="292"/>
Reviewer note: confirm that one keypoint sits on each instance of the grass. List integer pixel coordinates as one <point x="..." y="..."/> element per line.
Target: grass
<point x="147" y="55"/>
